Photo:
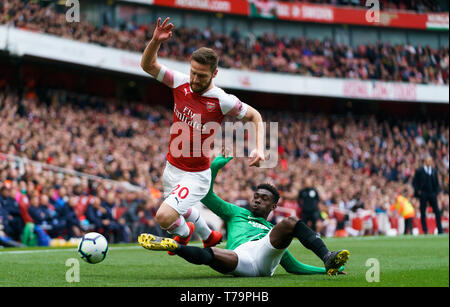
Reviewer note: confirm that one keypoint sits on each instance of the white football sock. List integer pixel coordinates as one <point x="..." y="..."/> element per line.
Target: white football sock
<point x="193" y="215"/>
<point x="179" y="227"/>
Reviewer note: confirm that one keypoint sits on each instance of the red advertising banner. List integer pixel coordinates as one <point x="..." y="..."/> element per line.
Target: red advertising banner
<point x="341" y="15"/>
<point x="380" y="90"/>
<point x="437" y="21"/>
<point x="305" y="12"/>
<point x="302" y="12"/>
<point x="386" y="19"/>
<point x="236" y="7"/>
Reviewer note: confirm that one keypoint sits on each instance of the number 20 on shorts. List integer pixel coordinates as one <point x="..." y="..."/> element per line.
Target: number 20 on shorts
<point x="183" y="192"/>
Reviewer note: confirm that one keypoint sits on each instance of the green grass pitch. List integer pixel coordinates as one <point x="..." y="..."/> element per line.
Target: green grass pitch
<point x="409" y="261"/>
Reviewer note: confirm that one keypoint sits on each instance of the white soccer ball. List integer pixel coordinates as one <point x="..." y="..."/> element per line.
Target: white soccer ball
<point x="93" y="247"/>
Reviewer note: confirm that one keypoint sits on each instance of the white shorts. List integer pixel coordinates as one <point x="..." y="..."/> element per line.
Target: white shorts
<point x="182" y="189"/>
<point x="257" y="258"/>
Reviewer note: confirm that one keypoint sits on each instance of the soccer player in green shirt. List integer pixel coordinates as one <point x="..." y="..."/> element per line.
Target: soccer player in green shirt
<point x="254" y="247"/>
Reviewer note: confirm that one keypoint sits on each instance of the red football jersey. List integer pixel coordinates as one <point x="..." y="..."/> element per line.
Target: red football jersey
<point x="193" y="115"/>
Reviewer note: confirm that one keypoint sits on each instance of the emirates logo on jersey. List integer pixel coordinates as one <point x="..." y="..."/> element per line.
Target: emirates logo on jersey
<point x="210" y="106"/>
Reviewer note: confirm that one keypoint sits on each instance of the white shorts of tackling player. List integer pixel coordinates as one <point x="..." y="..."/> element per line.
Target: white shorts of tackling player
<point x="182" y="189"/>
<point x="257" y="258"/>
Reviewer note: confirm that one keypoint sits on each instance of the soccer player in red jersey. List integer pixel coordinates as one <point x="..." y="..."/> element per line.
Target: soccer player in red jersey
<point x="197" y="103"/>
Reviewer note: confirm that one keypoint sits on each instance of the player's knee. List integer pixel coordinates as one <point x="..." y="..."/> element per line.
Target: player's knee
<point x="289" y="223"/>
<point x="164" y="219"/>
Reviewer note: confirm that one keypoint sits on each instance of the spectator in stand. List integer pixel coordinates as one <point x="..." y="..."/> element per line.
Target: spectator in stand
<point x="110" y="202"/>
<point x="40" y="214"/>
<point x="45" y="217"/>
<point x="6" y="240"/>
<point x="60" y="201"/>
<point x="7" y="225"/>
<point x="11" y="218"/>
<point x="99" y="217"/>
<point x="146" y="213"/>
<point x="103" y="221"/>
<point x="72" y="221"/>
<point x="137" y="216"/>
<point x="131" y="216"/>
<point x="118" y="225"/>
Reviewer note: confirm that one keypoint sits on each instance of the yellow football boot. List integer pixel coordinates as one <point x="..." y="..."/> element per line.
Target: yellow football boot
<point x="155" y="243"/>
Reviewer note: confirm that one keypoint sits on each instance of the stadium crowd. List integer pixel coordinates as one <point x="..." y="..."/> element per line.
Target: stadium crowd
<point x="358" y="164"/>
<point x="269" y="52"/>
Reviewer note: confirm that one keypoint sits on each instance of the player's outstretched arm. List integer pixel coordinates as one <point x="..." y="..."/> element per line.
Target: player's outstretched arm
<point x="162" y="33"/>
<point x="213" y="202"/>
<point x="217" y="164"/>
<point x="257" y="154"/>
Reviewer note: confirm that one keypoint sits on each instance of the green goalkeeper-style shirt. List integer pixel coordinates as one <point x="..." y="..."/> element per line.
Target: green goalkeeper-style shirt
<point x="243" y="226"/>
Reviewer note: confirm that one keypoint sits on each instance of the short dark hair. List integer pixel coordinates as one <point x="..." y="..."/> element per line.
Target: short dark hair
<point x="272" y="189"/>
<point x="206" y="56"/>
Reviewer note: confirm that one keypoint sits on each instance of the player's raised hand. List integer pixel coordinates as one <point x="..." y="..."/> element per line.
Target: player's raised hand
<point x="163" y="31"/>
<point x="226" y="152"/>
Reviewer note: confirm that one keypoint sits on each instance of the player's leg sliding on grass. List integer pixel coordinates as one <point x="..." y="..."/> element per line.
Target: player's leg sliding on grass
<point x="280" y="237"/>
<point x="255" y="247"/>
<point x="183" y="228"/>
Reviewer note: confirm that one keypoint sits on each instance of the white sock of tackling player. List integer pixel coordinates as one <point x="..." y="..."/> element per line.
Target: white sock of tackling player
<point x="179" y="227"/>
<point x="193" y="215"/>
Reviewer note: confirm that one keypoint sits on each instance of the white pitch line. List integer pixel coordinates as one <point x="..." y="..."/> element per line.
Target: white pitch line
<point x="52" y="250"/>
<point x="59" y="250"/>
